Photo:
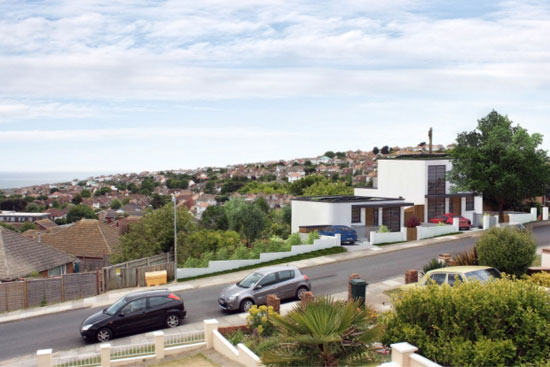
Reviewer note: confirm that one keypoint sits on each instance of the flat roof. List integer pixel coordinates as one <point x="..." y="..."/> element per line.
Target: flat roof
<point x="21" y="214"/>
<point x="419" y="156"/>
<point x="346" y="199"/>
<point x="457" y="195"/>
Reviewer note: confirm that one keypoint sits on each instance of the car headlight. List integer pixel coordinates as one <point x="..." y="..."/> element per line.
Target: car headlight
<point x="231" y="298"/>
<point x="86" y="327"/>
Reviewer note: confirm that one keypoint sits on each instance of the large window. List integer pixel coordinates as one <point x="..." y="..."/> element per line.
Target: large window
<point x="469" y="203"/>
<point x="355" y="214"/>
<point x="391" y="218"/>
<point x="436" y="180"/>
<point x="435" y="207"/>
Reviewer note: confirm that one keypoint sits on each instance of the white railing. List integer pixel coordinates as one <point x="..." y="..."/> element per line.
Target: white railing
<point x="78" y="361"/>
<point x="130" y="351"/>
<point x="403" y="355"/>
<point x="183" y="338"/>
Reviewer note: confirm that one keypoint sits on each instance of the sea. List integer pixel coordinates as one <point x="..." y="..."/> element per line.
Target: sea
<point x="12" y="180"/>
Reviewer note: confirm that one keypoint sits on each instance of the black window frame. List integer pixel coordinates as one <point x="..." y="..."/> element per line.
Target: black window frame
<point x="436" y="179"/>
<point x="469" y="203"/>
<point x="391" y="218"/>
<point x="436" y="207"/>
<point x="355" y="214"/>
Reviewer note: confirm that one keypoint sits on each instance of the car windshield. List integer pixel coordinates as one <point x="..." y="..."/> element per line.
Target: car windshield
<point x="115" y="307"/>
<point x="250" y="280"/>
<point x="483" y="275"/>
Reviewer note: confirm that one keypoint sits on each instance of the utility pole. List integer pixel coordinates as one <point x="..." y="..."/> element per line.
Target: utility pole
<point x="430" y="136"/>
<point x="175" y="240"/>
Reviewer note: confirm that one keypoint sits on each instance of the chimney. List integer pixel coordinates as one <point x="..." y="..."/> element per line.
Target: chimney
<point x="39" y="237"/>
<point x="430" y="136"/>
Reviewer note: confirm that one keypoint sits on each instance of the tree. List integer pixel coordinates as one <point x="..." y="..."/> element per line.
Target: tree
<point x="16" y="204"/>
<point x="26" y="226"/>
<point x="297" y="187"/>
<point x="32" y="208"/>
<point x="325" y="332"/>
<point x="154" y="234"/>
<point x="507" y="249"/>
<point x="133" y="188"/>
<point x="77" y="199"/>
<point x="102" y="191"/>
<point x="53" y="189"/>
<point x="158" y="201"/>
<point x="502" y="161"/>
<point x="55" y="203"/>
<point x="326" y="187"/>
<point x="330" y="154"/>
<point x="78" y="212"/>
<point x="210" y="187"/>
<point x="214" y="218"/>
<point x="375" y="150"/>
<point x="86" y="193"/>
<point x="262" y="204"/>
<point x="385" y="150"/>
<point x="499" y="323"/>
<point x="245" y="218"/>
<point x="116" y="204"/>
<point x="341" y="155"/>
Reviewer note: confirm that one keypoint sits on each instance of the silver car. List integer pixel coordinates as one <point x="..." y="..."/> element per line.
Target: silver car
<point x="285" y="281"/>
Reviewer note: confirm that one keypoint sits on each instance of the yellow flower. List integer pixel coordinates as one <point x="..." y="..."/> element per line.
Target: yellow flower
<point x="264" y="320"/>
<point x="270" y="308"/>
<point x="263" y="308"/>
<point x="260" y="329"/>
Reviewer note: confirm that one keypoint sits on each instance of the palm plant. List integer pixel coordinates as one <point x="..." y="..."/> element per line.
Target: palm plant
<point x="325" y="332"/>
<point x="468" y="257"/>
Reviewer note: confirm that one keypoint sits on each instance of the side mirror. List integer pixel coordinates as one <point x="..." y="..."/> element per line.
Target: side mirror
<point x="259" y="286"/>
<point x="121" y="314"/>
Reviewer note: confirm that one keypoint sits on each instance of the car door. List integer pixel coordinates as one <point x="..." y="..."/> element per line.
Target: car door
<point x="453" y="278"/>
<point x="439" y="278"/>
<point x="287" y="284"/>
<point x="267" y="285"/>
<point x="132" y="317"/>
<point x="157" y="309"/>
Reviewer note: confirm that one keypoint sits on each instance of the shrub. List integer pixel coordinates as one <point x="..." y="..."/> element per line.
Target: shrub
<point x="542" y="279"/>
<point x="383" y="229"/>
<point x="507" y="250"/>
<point x="259" y="320"/>
<point x="312" y="236"/>
<point x="440" y="224"/>
<point x="235" y="337"/>
<point x="468" y="257"/>
<point x="412" y="222"/>
<point x="500" y="323"/>
<point x="294" y="239"/>
<point x="433" y="264"/>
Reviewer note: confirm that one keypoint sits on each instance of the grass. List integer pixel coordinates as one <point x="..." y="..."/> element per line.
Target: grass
<point x="391" y="292"/>
<point x="309" y="255"/>
<point x="443" y="235"/>
<point x="389" y="243"/>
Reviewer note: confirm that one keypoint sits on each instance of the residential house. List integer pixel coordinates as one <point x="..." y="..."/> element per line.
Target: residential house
<point x="17" y="219"/>
<point x="295" y="176"/>
<point x="21" y="256"/>
<point x="58" y="213"/>
<point x="44" y="224"/>
<point x="421" y="179"/>
<point x="90" y="240"/>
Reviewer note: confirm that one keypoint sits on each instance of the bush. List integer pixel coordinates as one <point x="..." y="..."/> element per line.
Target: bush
<point x="312" y="236"/>
<point x="433" y="264"/>
<point x="383" y="229"/>
<point x="412" y="222"/>
<point x="235" y="337"/>
<point x="294" y="239"/>
<point x="507" y="250"/>
<point x="500" y="323"/>
<point x="542" y="279"/>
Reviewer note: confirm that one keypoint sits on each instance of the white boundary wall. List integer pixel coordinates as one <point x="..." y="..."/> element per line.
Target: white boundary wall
<point x="221" y="265"/>
<point x="432" y="231"/>
<point x="385" y="237"/>
<point x="523" y="218"/>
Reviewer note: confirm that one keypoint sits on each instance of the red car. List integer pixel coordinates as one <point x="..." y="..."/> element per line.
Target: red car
<point x="447" y="218"/>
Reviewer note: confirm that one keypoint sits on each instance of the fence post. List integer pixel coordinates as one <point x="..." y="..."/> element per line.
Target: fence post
<point x="401" y="352"/>
<point x="97" y="280"/>
<point x="62" y="287"/>
<point x="105" y="355"/>
<point x="44" y="358"/>
<point x="26" y="293"/>
<point x="159" y="344"/>
<point x="209" y="327"/>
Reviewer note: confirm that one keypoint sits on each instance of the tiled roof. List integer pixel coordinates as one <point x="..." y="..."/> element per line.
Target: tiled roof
<point x="45" y="223"/>
<point x="86" y="238"/>
<point x="20" y="256"/>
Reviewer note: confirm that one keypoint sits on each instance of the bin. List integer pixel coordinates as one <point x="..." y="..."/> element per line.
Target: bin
<point x="156" y="277"/>
<point x="358" y="290"/>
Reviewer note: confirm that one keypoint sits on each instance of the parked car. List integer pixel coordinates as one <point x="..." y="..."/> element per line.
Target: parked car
<point x="136" y="311"/>
<point x="463" y="223"/>
<point x="285" y="281"/>
<point x="347" y="234"/>
<point x="452" y="274"/>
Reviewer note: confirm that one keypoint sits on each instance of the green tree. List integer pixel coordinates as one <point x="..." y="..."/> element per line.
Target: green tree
<point x="500" y="323"/>
<point x="53" y="189"/>
<point x="55" y="203"/>
<point x="78" y="212"/>
<point x="116" y="204"/>
<point x="32" y="208"/>
<point x="261" y="203"/>
<point x="147" y="185"/>
<point x="214" y="218"/>
<point x="297" y="187"/>
<point x="158" y="201"/>
<point x="26" y="226"/>
<point x="133" y="188"/>
<point x="77" y="199"/>
<point x="206" y="241"/>
<point x="330" y="154"/>
<point x="375" y="150"/>
<point x="125" y="201"/>
<point x="502" y="161"/>
<point x="102" y="191"/>
<point x="245" y="218"/>
<point x="15" y="204"/>
<point x="85" y="193"/>
<point x="326" y="187"/>
<point x="154" y="234"/>
<point x="210" y="187"/>
<point x="507" y="249"/>
<point x="177" y="184"/>
<point x="326" y="332"/>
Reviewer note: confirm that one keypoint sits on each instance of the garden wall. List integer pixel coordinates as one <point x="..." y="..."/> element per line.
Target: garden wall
<point x="222" y="265"/>
<point x="524" y="217"/>
<point x="433" y="231"/>
<point x="386" y="237"/>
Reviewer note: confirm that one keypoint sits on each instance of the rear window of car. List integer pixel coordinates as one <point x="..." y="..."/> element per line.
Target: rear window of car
<point x="158" y="301"/>
<point x="286" y="275"/>
<point x="483" y="275"/>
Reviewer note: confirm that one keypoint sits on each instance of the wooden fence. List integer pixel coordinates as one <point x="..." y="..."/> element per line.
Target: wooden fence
<point x="37" y="292"/>
<point x="132" y="273"/>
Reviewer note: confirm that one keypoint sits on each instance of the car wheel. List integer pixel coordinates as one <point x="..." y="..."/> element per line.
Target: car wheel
<point x="104" y="335"/>
<point x="246" y="304"/>
<point x="172" y="321"/>
<point x="300" y="292"/>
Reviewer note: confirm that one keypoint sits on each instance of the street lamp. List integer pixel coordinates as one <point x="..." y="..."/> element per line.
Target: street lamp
<point x="175" y="240"/>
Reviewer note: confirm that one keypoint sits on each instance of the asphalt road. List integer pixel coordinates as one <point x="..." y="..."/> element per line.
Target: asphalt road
<point x="60" y="331"/>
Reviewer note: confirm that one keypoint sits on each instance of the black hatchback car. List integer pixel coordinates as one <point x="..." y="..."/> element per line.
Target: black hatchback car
<point x="135" y="312"/>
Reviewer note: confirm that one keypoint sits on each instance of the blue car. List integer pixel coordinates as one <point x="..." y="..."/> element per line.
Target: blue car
<point x="347" y="234"/>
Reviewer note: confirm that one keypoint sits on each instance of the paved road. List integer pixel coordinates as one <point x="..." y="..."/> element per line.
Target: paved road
<point x="60" y="331"/>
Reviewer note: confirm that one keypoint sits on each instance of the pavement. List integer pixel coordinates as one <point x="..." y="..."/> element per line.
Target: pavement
<point x="108" y="298"/>
<point x="375" y="298"/>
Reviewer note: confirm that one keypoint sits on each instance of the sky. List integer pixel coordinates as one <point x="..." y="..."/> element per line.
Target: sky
<point x="131" y="85"/>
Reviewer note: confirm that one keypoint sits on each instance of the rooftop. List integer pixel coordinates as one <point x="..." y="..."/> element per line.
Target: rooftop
<point x="346" y="199"/>
<point x="419" y="156"/>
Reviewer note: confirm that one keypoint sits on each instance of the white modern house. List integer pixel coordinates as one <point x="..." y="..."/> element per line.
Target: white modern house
<point x="420" y="179"/>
